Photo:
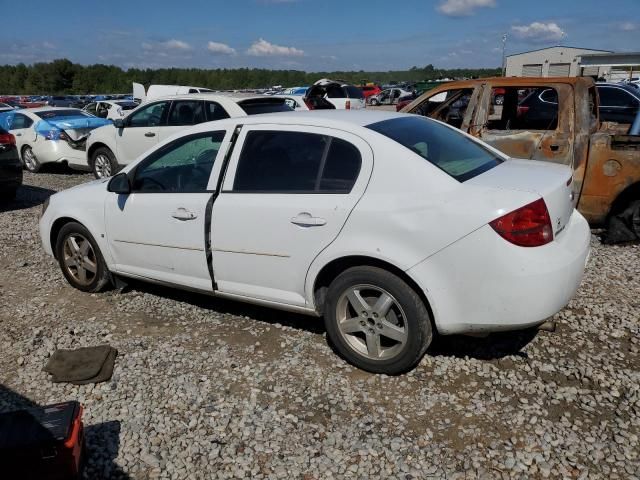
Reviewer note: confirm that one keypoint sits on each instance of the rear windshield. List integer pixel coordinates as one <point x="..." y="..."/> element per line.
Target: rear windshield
<point x="255" y="106"/>
<point x="440" y="145"/>
<point x="353" y="92"/>
<point x="50" y="114"/>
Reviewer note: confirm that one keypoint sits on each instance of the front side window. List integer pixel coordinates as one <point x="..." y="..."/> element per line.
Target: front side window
<point x="186" y="112"/>
<point x="183" y="166"/>
<point x="149" y="116"/>
<point x="296" y="162"/>
<point x="440" y="145"/>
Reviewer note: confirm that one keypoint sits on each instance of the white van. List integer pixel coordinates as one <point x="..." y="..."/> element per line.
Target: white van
<point x="156" y="91"/>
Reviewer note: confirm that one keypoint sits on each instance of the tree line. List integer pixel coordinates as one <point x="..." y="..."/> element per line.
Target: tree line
<point x="65" y="77"/>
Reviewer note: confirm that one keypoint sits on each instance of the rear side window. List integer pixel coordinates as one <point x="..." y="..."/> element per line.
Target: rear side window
<point x="296" y="162"/>
<point x="186" y="112"/>
<point x="353" y="92"/>
<point x="266" y="105"/>
<point x="440" y="145"/>
<point x="215" y="111"/>
<point x="20" y="121"/>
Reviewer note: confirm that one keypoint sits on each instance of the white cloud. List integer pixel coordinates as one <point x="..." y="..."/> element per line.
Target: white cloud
<point x="220" y="48"/>
<point x="262" y="48"/>
<point x="174" y="44"/>
<point x="539" y="32"/>
<point x="628" y="27"/>
<point x="170" y="45"/>
<point x="459" y="8"/>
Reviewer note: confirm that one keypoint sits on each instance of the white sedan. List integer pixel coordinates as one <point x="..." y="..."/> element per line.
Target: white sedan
<point x="391" y="226"/>
<point x="52" y="135"/>
<point x="114" y="146"/>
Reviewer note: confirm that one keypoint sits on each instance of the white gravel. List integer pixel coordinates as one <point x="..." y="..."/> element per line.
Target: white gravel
<point x="205" y="388"/>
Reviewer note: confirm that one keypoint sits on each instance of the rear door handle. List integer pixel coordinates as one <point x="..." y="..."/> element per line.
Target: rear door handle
<point x="18" y="134"/>
<point x="305" y="219"/>
<point x="184" y="214"/>
<point x="149" y="134"/>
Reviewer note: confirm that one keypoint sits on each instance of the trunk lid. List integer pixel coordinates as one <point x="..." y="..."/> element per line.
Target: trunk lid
<point x="551" y="181"/>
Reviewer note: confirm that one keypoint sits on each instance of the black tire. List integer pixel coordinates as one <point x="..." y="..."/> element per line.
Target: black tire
<point x="29" y="160"/>
<point x="410" y="313"/>
<point x="94" y="281"/>
<point x="104" y="163"/>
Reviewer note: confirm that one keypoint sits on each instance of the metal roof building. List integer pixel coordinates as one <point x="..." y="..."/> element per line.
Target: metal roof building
<point x="558" y="61"/>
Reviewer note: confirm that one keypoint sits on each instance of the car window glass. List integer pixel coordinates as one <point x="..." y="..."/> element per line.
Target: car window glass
<point x="273" y="161"/>
<point x="215" y="111"/>
<point x="335" y="91"/>
<point x="186" y="112"/>
<point x="442" y="146"/>
<point x="181" y="166"/>
<point x="91" y="108"/>
<point x="523" y="108"/>
<point x="615" y="97"/>
<point x="341" y="167"/>
<point x="150" y="116"/>
<point x="21" y="121"/>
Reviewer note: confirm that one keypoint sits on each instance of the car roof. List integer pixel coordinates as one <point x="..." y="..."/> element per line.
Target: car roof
<point x="232" y="96"/>
<point x="47" y="109"/>
<point x="321" y="118"/>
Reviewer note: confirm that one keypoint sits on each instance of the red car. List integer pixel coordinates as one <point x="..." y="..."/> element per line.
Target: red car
<point x="369" y="90"/>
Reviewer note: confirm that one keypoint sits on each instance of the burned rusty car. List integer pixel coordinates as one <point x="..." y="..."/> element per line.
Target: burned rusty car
<point x="562" y="126"/>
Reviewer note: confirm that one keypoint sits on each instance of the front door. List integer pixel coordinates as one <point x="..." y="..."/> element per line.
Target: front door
<point x="141" y="131"/>
<point x="286" y="196"/>
<point x="158" y="230"/>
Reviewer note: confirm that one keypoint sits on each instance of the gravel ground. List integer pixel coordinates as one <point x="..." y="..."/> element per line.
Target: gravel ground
<point x="205" y="388"/>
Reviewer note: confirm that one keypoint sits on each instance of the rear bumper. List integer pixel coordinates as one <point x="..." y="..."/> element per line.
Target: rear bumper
<point x="482" y="283"/>
<point x="59" y="151"/>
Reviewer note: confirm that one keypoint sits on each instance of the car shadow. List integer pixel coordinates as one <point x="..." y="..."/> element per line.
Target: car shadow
<point x="27" y="196"/>
<point x="492" y="347"/>
<point x="231" y="307"/>
<point x="102" y="441"/>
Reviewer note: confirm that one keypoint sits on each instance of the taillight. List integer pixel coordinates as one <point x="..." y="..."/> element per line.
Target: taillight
<point x="308" y="103"/>
<point x="528" y="226"/>
<point x="347" y="105"/>
<point x="522" y="110"/>
<point x="7" y="139"/>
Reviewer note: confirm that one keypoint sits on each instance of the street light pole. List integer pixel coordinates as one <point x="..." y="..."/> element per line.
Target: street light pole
<point x="504" y="46"/>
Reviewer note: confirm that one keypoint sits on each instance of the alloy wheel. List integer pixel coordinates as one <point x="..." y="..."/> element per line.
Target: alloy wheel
<point x="102" y="166"/>
<point x="372" y="322"/>
<point x="80" y="259"/>
<point x="29" y="159"/>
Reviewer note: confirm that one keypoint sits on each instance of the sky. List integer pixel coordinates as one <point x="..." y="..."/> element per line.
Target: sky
<point x="310" y="35"/>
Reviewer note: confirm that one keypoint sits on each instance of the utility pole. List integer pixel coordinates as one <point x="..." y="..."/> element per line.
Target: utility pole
<point x="504" y="46"/>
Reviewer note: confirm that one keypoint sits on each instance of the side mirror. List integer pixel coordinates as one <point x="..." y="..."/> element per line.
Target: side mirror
<point x="118" y="123"/>
<point x="120" y="184"/>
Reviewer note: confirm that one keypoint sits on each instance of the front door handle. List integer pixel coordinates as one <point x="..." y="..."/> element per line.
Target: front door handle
<point x="184" y="214"/>
<point x="305" y="219"/>
<point x="149" y="134"/>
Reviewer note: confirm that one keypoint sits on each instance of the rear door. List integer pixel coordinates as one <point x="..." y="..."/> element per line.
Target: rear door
<point x="141" y="132"/>
<point x="158" y="230"/>
<point x="287" y="193"/>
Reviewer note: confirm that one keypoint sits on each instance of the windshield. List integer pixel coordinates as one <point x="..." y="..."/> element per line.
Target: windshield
<point x="444" y="147"/>
<point x="54" y="114"/>
<point x="265" y="105"/>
